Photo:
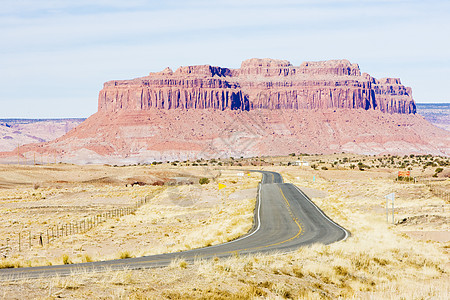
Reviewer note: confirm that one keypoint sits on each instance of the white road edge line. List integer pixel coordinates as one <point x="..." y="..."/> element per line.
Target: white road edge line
<point x="326" y="217"/>
<point x="259" y="220"/>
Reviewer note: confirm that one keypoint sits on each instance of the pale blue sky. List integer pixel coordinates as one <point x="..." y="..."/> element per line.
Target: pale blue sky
<point x="55" y="55"/>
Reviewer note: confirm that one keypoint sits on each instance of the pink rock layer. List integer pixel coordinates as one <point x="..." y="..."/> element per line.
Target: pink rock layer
<point x="259" y="83"/>
<point x="165" y="135"/>
<point x="267" y="107"/>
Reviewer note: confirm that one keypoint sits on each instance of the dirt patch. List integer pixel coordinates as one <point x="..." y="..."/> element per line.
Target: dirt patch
<point x="243" y="194"/>
<point x="425" y="219"/>
<point x="435" y="236"/>
<point x="313" y="193"/>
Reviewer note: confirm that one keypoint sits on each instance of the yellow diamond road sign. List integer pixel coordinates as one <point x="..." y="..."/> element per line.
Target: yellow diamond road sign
<point x="221" y="186"/>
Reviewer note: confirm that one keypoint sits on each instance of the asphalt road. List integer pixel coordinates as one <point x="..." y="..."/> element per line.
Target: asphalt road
<point x="285" y="219"/>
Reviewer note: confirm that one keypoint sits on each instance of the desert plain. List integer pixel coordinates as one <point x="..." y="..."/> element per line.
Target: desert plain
<point x="407" y="259"/>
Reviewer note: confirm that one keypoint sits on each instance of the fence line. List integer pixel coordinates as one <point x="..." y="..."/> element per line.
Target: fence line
<point x="435" y="190"/>
<point x="26" y="239"/>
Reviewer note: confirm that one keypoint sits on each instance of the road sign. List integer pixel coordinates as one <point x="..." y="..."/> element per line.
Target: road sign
<point x="404" y="173"/>
<point x="391" y="196"/>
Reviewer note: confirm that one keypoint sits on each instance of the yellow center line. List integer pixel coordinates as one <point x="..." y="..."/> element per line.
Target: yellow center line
<point x="199" y="256"/>
<point x="259" y="247"/>
<point x="285" y="241"/>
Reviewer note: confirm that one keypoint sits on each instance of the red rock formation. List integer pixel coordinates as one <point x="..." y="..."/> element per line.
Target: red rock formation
<point x="266" y="107"/>
<point x="144" y="136"/>
<point x="259" y="83"/>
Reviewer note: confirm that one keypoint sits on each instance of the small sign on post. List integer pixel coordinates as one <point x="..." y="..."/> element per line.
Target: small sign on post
<point x="222" y="194"/>
<point x="241" y="175"/>
<point x="403" y="174"/>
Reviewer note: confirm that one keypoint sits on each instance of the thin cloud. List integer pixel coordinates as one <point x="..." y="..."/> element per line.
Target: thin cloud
<point x="54" y="46"/>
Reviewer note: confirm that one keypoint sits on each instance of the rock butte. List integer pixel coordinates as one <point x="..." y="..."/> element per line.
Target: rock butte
<point x="266" y="107"/>
<point x="259" y="84"/>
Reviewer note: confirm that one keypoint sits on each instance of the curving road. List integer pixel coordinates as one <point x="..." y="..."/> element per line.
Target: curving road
<point x="285" y="219"/>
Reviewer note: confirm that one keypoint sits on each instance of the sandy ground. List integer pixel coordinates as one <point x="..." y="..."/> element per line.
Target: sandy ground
<point x="409" y="259"/>
<point x="175" y="218"/>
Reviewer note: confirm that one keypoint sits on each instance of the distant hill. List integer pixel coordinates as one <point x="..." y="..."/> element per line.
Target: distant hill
<point x="436" y="113"/>
<point x="14" y="132"/>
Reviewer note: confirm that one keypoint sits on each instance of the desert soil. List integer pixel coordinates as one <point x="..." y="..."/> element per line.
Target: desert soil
<point x="381" y="260"/>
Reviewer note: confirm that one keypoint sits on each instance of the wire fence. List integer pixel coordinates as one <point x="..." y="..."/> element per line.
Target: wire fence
<point x="27" y="239"/>
<point x="435" y="188"/>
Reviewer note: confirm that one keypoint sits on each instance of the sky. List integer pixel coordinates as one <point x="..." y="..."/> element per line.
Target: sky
<point x="55" y="55"/>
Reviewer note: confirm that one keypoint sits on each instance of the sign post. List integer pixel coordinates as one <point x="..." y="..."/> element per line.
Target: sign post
<point x="241" y="176"/>
<point x="391" y="197"/>
<point x="221" y="187"/>
<point x="403" y="174"/>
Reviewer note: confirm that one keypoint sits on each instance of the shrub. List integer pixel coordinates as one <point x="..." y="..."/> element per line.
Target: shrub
<point x="439" y="170"/>
<point x="203" y="180"/>
<point x="124" y="254"/>
<point x="66" y="260"/>
<point x="87" y="258"/>
<point x="183" y="264"/>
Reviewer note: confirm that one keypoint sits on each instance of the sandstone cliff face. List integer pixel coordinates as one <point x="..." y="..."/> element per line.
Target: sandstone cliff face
<point x="259" y="84"/>
<point x="266" y="107"/>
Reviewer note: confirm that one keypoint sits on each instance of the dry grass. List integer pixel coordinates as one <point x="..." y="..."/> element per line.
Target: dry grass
<point x="379" y="260"/>
<point x="66" y="260"/>
<point x="124" y="254"/>
<point x="316" y="272"/>
<point x="176" y="218"/>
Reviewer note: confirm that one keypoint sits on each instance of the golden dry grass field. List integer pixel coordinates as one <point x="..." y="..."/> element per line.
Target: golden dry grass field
<point x="405" y="260"/>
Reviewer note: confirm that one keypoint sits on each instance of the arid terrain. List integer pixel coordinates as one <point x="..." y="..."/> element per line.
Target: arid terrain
<point x="17" y="132"/>
<point x="436" y="113"/>
<point x="14" y="133"/>
<point x="408" y="259"/>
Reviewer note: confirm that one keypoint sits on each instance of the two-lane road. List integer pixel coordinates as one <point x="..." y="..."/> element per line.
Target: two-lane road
<point x="285" y="219"/>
